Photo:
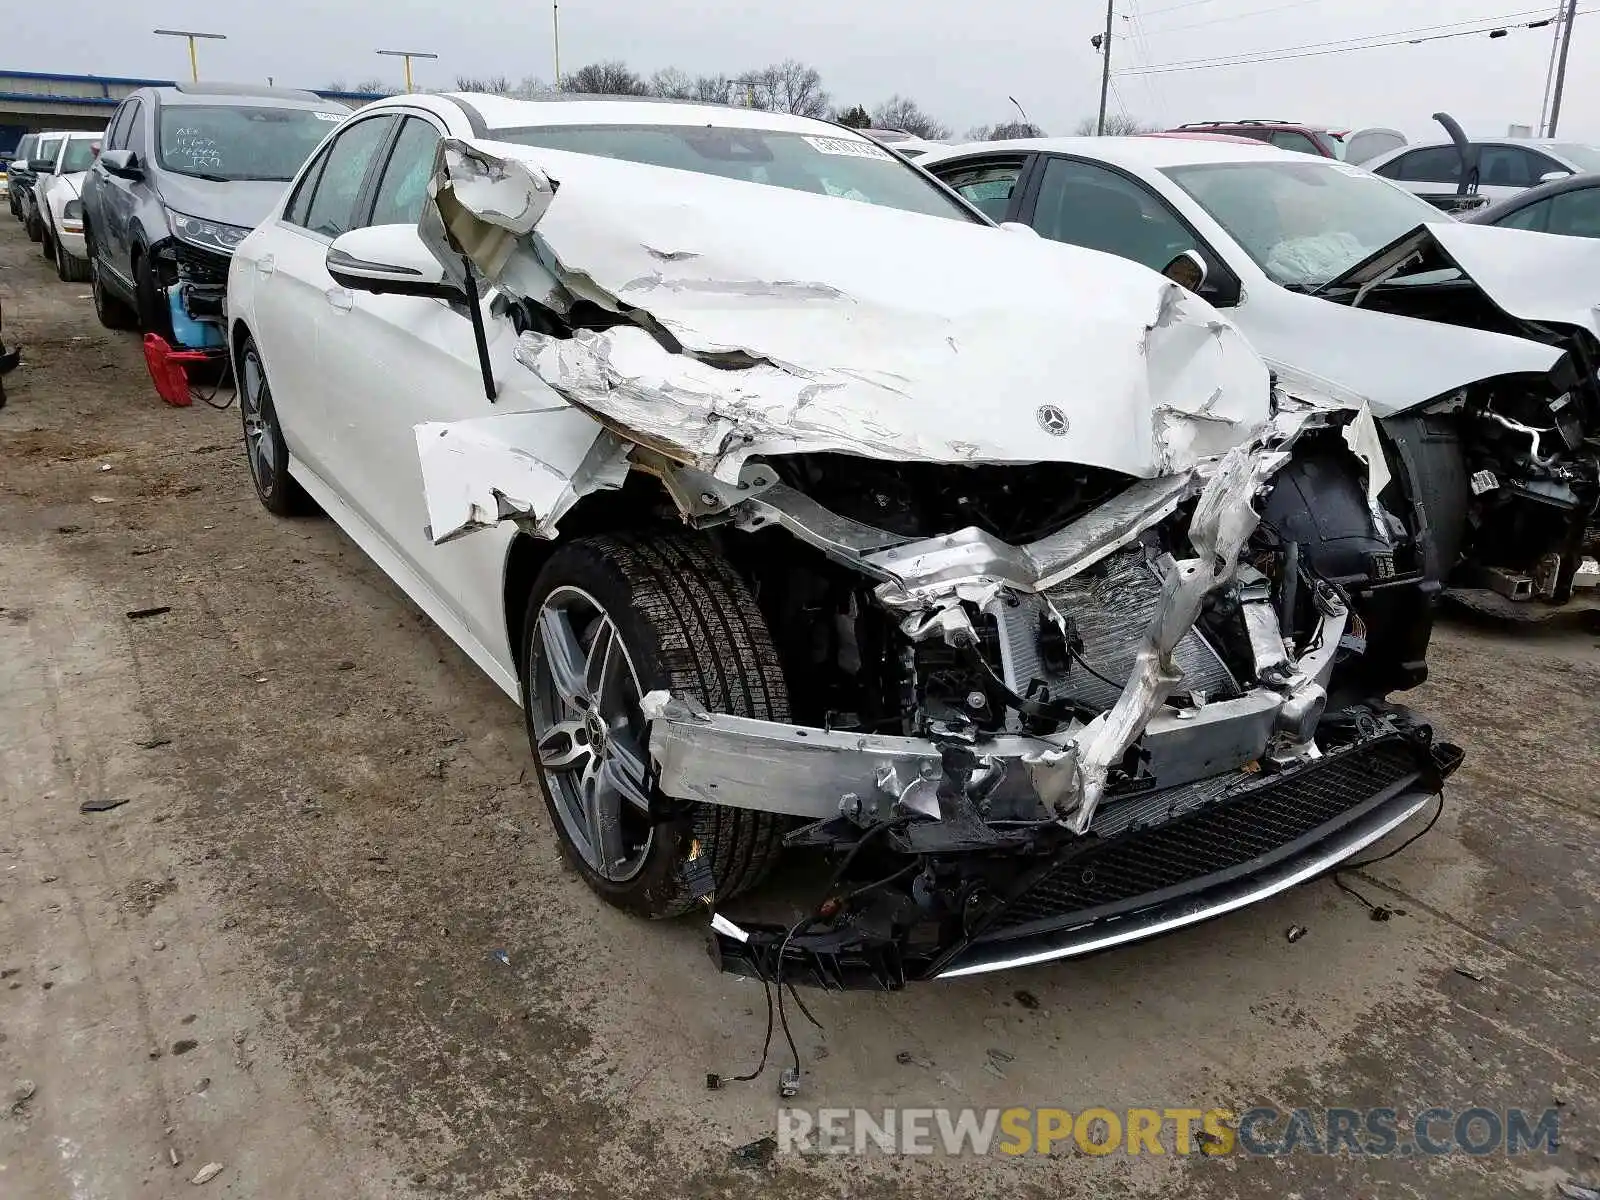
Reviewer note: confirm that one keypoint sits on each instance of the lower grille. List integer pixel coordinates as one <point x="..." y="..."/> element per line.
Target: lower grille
<point x="1251" y="822"/>
<point x="200" y="266"/>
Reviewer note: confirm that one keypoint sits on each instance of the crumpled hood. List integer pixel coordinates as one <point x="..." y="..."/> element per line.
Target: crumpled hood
<point x="780" y="321"/>
<point x="241" y="202"/>
<point x="1531" y="276"/>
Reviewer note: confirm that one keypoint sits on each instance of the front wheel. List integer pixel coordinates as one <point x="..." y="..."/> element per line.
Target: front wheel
<point x="609" y="620"/>
<point x="113" y="313"/>
<point x="69" y="267"/>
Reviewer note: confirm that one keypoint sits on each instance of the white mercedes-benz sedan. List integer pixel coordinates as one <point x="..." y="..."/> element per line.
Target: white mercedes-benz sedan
<point x="799" y="505"/>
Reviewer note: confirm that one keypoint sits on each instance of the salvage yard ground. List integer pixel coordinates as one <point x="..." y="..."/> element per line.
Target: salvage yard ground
<point x="283" y="952"/>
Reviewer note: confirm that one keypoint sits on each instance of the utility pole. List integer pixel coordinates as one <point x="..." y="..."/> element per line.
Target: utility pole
<point x="555" y="24"/>
<point x="1561" y="69"/>
<point x="1105" y="72"/>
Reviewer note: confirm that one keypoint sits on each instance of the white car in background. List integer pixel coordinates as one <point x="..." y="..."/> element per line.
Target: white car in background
<point x="1506" y="166"/>
<point x="1490" y="399"/>
<point x="785" y="491"/>
<point x="60" y="199"/>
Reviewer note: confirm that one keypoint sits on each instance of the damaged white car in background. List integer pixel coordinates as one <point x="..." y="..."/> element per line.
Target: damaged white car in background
<point x="800" y="506"/>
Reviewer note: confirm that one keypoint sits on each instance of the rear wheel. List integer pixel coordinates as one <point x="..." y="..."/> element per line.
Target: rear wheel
<point x="113" y="313"/>
<point x="263" y="440"/>
<point x="609" y="620"/>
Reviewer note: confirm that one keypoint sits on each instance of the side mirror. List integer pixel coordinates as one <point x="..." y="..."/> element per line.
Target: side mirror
<point x="389" y="260"/>
<point x="1552" y="176"/>
<point x="1188" y="270"/>
<point x="42" y="166"/>
<point x="1018" y="227"/>
<point x="124" y="164"/>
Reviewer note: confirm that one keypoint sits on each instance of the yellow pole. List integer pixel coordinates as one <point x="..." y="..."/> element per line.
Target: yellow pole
<point x="194" y="62"/>
<point x="555" y="23"/>
<point x="409" y="88"/>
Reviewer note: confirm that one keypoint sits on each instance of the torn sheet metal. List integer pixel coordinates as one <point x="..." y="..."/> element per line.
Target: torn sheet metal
<point x="1530" y="276"/>
<point x="481" y="205"/>
<point x="528" y="466"/>
<point x="799" y="322"/>
<point x="1073" y="779"/>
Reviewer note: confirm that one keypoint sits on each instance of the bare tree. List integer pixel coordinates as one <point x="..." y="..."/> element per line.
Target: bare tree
<point x="711" y="89"/>
<point x="672" y="84"/>
<point x="855" y="116"/>
<point x="903" y="113"/>
<point x="335" y="85"/>
<point x="1004" y="131"/>
<point x="1117" y="125"/>
<point x="492" y="85"/>
<point x="605" y="79"/>
<point x="374" y="87"/>
<point x="532" y="88"/>
<point x="789" y="86"/>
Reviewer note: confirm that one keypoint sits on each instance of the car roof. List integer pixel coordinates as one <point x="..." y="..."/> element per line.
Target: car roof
<point x="1266" y="123"/>
<point x="502" y="112"/>
<point x="1135" y="153"/>
<point x="242" y="95"/>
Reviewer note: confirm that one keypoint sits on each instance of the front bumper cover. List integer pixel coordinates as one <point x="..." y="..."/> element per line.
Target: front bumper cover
<point x="1151" y="864"/>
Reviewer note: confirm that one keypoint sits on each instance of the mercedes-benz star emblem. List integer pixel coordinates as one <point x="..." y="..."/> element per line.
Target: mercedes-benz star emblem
<point x="1053" y="421"/>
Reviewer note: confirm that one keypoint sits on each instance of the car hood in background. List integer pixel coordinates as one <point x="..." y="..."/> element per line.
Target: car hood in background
<point x="763" y="320"/>
<point x="242" y="202"/>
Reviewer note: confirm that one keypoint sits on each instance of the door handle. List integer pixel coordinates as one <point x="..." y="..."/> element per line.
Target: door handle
<point x="266" y="264"/>
<point x="341" y="299"/>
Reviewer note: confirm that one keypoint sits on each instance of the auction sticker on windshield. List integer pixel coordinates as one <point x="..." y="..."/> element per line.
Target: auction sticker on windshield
<point x="334" y="117"/>
<point x="849" y="147"/>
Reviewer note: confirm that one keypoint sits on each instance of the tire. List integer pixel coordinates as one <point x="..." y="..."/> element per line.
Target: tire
<point x="685" y="622"/>
<point x="154" y="315"/>
<point x="113" y="313"/>
<point x="47" y="243"/>
<point x="69" y="267"/>
<point x="31" y="224"/>
<point x="264" y="447"/>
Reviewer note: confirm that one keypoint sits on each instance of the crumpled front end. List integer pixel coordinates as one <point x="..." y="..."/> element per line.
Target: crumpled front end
<point x="1086" y="632"/>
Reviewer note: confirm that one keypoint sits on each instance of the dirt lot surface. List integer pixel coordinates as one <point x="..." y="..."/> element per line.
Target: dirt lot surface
<point x="280" y="954"/>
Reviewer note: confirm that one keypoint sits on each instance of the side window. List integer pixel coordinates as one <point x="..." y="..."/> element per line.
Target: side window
<point x="114" y="130"/>
<point x="1535" y="217"/>
<point x="1087" y="205"/>
<point x="405" y="176"/>
<point x="1436" y="164"/>
<point x="987" y="186"/>
<point x="1506" y="166"/>
<point x="299" y="206"/>
<point x="1288" y="139"/>
<point x="333" y="204"/>
<point x="1539" y="166"/>
<point x="1576" y="213"/>
<point x="133" y="129"/>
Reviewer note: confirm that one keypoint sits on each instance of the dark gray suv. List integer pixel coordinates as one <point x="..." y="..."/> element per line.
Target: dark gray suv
<point x="185" y="172"/>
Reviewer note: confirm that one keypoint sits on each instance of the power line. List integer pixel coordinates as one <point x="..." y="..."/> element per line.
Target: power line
<point x="1345" y="46"/>
<point x="1259" y="12"/>
<point x="1154" y="12"/>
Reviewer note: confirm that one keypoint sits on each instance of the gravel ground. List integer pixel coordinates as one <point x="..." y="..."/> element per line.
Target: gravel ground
<point x="280" y="954"/>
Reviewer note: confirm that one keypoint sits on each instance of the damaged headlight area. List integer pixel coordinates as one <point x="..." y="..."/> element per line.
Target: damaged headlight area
<point x="1104" y="708"/>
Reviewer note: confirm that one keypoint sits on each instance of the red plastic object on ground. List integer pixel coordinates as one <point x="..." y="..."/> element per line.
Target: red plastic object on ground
<point x="167" y="370"/>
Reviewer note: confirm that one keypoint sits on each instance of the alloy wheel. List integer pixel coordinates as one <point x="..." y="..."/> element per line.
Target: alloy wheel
<point x="255" y="401"/>
<point x="589" y="731"/>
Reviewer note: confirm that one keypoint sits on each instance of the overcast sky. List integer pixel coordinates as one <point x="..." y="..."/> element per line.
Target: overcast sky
<point x="958" y="58"/>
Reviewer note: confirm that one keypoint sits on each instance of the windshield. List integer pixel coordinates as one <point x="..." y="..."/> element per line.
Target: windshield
<point x="841" y="165"/>
<point x="223" y="143"/>
<point x="79" y="155"/>
<point x="1585" y="158"/>
<point x="1304" y="223"/>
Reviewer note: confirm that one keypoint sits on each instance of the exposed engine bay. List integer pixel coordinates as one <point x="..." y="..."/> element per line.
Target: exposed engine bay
<point x="1068" y="663"/>
<point x="1509" y="467"/>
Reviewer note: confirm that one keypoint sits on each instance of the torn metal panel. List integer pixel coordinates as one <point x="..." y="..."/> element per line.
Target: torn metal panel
<point x="479" y="472"/>
<point x="787" y="322"/>
<point x="480" y="206"/>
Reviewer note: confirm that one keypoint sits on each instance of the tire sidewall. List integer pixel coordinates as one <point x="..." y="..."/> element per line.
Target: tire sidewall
<point x="275" y="499"/>
<point x="582" y="564"/>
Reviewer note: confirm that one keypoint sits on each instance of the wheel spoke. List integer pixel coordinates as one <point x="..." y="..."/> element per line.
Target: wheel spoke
<point x="602" y="819"/>
<point x="563" y="656"/>
<point x="565" y="747"/>
<point x="598" y="664"/>
<point x="624" y="771"/>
